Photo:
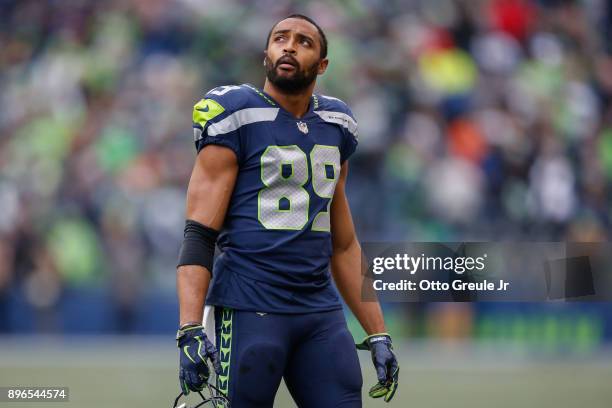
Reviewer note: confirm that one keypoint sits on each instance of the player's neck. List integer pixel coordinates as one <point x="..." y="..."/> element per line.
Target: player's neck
<point x="296" y="104"/>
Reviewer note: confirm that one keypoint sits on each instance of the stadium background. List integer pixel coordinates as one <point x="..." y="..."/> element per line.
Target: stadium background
<point x="479" y="120"/>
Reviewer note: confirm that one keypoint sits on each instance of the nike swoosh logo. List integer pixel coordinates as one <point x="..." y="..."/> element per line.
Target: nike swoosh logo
<point x="187" y="354"/>
<point x="204" y="109"/>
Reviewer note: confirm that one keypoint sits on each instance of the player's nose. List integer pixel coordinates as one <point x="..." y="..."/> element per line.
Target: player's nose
<point x="289" y="47"/>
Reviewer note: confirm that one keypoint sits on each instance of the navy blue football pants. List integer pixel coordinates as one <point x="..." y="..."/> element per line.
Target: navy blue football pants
<point x="313" y="352"/>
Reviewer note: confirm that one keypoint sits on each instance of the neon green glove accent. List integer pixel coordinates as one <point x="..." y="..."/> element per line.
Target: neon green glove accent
<point x="385" y="363"/>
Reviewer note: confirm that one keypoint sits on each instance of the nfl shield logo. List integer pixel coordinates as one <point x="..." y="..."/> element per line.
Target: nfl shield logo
<point x="303" y="127"/>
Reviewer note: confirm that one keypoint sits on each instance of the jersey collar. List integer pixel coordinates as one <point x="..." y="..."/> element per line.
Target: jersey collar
<point x="314" y="103"/>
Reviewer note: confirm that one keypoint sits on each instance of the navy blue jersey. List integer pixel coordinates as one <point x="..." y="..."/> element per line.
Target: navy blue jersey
<point x="275" y="245"/>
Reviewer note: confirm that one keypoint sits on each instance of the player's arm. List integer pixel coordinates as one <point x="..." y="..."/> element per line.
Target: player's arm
<point x="208" y="195"/>
<point x="348" y="272"/>
<point x="346" y="261"/>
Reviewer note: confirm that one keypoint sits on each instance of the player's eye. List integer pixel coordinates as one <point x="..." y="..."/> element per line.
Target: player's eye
<point x="306" y="42"/>
<point x="278" y="38"/>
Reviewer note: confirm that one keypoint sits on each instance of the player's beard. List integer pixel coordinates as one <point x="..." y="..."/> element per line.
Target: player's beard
<point x="294" y="83"/>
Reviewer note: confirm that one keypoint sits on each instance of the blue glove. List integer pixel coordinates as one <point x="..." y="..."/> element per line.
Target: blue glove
<point x="387" y="368"/>
<point x="195" y="350"/>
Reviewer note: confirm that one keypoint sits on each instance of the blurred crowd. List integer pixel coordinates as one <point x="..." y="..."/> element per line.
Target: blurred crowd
<point x="479" y="120"/>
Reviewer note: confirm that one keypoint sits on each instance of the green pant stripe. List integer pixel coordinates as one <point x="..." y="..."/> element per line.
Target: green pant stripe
<point x="225" y="349"/>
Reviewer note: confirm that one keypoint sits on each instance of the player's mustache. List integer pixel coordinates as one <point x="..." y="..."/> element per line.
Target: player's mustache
<point x="287" y="59"/>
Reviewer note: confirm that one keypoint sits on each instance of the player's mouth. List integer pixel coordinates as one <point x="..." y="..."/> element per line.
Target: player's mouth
<point x="287" y="64"/>
<point x="286" y="67"/>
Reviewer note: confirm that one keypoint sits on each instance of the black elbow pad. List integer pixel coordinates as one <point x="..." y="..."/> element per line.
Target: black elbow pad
<point x="198" y="246"/>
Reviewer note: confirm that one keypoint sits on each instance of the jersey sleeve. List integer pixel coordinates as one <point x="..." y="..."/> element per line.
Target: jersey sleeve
<point x="336" y="111"/>
<point x="213" y="122"/>
<point x="351" y="133"/>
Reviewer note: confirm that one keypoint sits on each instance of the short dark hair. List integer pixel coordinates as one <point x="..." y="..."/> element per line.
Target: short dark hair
<point x="322" y="39"/>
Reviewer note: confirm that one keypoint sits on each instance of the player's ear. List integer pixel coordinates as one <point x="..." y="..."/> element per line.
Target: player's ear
<point x="265" y="52"/>
<point x="322" y="66"/>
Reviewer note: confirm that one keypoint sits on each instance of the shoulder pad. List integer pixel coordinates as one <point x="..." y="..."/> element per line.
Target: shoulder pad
<point x="231" y="97"/>
<point x="218" y="103"/>
<point x="330" y="103"/>
<point x="336" y="111"/>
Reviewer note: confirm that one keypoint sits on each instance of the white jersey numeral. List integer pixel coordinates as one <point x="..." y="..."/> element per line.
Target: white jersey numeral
<point x="222" y="90"/>
<point x="283" y="203"/>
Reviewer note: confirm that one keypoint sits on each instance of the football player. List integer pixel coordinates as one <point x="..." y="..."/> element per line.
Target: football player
<point x="268" y="187"/>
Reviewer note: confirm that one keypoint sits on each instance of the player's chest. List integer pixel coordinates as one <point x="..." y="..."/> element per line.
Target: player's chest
<point x="305" y="134"/>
